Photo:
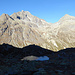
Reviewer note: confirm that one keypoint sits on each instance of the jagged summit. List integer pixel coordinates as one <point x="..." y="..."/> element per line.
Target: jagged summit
<point x="21" y="15"/>
<point x="4" y="17"/>
<point x="25" y="11"/>
<point x="26" y="16"/>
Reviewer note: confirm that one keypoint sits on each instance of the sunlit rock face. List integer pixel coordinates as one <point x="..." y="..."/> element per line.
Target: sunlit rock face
<point x="22" y="29"/>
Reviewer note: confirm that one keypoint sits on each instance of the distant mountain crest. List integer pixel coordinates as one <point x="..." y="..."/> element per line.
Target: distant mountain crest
<point x="67" y="17"/>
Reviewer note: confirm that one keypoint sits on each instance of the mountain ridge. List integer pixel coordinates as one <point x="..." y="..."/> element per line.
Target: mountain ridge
<point x="66" y="15"/>
<point x="22" y="29"/>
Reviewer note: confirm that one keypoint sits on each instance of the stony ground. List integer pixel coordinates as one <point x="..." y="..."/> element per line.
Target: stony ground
<point x="59" y="63"/>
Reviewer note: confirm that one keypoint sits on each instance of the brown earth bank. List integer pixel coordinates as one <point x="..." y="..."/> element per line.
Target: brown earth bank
<point x="59" y="63"/>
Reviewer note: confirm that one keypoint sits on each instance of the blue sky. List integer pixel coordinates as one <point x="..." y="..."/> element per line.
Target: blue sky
<point x="49" y="10"/>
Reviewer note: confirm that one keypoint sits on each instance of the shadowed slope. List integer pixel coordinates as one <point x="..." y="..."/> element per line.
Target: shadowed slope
<point x="59" y="62"/>
<point x="28" y="50"/>
<point x="34" y="50"/>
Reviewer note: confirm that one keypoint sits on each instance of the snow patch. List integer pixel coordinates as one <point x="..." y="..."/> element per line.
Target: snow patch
<point x="54" y="43"/>
<point x="64" y="47"/>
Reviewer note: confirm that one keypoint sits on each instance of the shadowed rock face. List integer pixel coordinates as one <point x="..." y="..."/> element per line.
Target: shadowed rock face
<point x="61" y="62"/>
<point x="22" y="29"/>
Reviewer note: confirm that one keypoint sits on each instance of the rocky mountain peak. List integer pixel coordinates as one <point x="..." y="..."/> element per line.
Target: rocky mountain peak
<point x="26" y="16"/>
<point x="67" y="17"/>
<point x="22" y="11"/>
<point x="4" y="17"/>
<point x="26" y="12"/>
<point x="21" y="15"/>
